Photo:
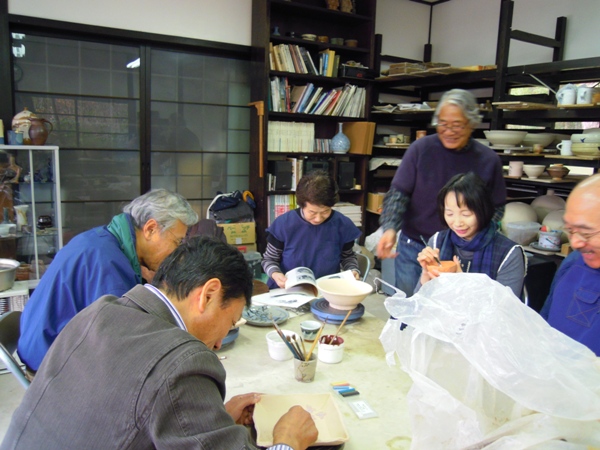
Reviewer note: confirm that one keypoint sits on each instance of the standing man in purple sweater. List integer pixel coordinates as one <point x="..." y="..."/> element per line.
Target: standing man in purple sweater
<point x="409" y="207"/>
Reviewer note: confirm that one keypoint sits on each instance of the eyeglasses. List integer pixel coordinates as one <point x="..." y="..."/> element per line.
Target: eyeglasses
<point x="457" y="126"/>
<point x="177" y="240"/>
<point x="585" y="237"/>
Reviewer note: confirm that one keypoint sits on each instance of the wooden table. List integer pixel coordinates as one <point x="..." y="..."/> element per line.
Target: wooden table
<point x="249" y="368"/>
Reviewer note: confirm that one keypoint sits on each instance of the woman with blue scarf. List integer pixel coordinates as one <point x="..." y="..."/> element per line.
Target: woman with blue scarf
<point x="472" y="239"/>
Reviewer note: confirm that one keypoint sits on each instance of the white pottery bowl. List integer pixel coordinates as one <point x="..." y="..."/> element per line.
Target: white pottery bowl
<point x="505" y="137"/>
<point x="545" y="139"/>
<point x="533" y="170"/>
<point x="586" y="138"/>
<point x="344" y="294"/>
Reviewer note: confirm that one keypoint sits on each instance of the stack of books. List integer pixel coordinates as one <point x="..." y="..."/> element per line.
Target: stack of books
<point x="350" y="210"/>
<point x="290" y="137"/>
<point x="346" y="101"/>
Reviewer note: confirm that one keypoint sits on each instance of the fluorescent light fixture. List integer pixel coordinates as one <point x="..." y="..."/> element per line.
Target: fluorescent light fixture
<point x="134" y="64"/>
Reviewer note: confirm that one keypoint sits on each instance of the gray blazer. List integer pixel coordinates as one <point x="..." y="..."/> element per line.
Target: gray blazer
<point x="122" y="375"/>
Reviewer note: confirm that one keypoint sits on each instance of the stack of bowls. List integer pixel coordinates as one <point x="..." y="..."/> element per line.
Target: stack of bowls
<point x="586" y="144"/>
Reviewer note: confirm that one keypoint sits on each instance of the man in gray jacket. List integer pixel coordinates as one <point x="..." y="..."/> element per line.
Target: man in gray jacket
<point x="139" y="372"/>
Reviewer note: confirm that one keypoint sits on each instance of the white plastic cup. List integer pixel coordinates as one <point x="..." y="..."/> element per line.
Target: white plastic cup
<point x="515" y="168"/>
<point x="278" y="350"/>
<point x="331" y="354"/>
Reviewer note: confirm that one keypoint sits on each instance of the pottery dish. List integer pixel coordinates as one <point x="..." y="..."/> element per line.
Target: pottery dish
<point x="533" y="170"/>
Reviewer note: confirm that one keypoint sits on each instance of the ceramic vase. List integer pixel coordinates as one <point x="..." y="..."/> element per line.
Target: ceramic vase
<point x="340" y="142"/>
<point x="39" y="131"/>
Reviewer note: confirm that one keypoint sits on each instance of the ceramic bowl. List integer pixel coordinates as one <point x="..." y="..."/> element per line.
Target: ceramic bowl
<point x="533" y="170"/>
<point x="447" y="266"/>
<point x="309" y="37"/>
<point x="505" y="137"/>
<point x="344" y="294"/>
<point x="544" y="139"/>
<point x="557" y="172"/>
<point x="586" y="138"/>
<point x="592" y="149"/>
<point x="8" y="272"/>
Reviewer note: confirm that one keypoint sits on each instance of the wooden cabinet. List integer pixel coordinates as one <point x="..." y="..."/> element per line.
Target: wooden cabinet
<point x="282" y="23"/>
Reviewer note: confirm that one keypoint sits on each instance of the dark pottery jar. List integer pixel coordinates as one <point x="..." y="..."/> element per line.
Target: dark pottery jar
<point x="39" y="131"/>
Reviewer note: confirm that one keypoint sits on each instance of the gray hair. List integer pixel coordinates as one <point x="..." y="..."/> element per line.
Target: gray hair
<point x="164" y="206"/>
<point x="465" y="101"/>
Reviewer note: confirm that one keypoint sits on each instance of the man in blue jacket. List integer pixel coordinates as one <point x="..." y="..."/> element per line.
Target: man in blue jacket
<point x="573" y="305"/>
<point x="103" y="260"/>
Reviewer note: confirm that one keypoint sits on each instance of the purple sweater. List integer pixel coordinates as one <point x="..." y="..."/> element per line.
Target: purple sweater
<point x="426" y="168"/>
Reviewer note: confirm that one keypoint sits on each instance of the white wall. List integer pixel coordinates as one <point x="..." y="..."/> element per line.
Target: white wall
<point x="464" y="32"/>
<point x="213" y="20"/>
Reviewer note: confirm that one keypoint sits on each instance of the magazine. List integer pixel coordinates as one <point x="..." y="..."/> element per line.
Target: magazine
<point x="300" y="288"/>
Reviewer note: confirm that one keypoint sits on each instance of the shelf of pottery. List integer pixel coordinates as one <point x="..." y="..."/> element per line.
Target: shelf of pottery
<point x="31" y="228"/>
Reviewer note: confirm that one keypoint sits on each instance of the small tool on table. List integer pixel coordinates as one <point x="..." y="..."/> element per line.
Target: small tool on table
<point x="437" y="260"/>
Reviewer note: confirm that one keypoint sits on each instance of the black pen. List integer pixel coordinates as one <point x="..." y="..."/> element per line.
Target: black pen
<point x="437" y="260"/>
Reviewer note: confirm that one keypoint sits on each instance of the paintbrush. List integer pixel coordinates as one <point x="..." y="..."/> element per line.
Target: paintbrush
<point x="437" y="260"/>
<point x="298" y="348"/>
<point x="312" y="347"/>
<point x="285" y="341"/>
<point x="334" y="338"/>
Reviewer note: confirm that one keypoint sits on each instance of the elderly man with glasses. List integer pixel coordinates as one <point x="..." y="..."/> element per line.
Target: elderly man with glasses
<point x="410" y="204"/>
<point x="573" y="305"/>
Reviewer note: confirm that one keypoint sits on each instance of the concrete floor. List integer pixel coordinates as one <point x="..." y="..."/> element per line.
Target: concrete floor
<point x="11" y="391"/>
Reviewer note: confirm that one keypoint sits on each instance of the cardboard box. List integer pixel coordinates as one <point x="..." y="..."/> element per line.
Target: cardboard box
<point x="239" y="233"/>
<point x="375" y="201"/>
<point x="361" y="135"/>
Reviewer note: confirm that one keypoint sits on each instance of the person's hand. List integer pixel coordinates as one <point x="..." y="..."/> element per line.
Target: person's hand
<point x="241" y="407"/>
<point x="280" y="279"/>
<point x="356" y="275"/>
<point x="147" y="274"/>
<point x="386" y="244"/>
<point x="295" y="428"/>
<point x="426" y="257"/>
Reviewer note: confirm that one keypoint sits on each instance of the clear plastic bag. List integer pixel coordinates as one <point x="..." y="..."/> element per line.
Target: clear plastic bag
<point x="488" y="371"/>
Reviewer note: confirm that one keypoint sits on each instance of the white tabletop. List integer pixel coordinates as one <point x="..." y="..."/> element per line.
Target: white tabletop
<point x="250" y="369"/>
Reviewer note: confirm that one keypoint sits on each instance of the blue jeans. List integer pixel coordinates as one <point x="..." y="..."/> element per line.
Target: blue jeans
<point x="407" y="268"/>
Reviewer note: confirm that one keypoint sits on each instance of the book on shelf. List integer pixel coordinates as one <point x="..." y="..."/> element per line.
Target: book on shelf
<point x="290" y="136"/>
<point x="330" y="62"/>
<point x="309" y="89"/>
<point x="313" y="99"/>
<point x="296" y="94"/>
<point x="308" y="61"/>
<point x="279" y="204"/>
<point x="291" y="58"/>
<point x="333" y="101"/>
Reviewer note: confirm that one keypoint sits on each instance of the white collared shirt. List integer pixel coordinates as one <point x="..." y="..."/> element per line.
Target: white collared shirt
<point x="167" y="302"/>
